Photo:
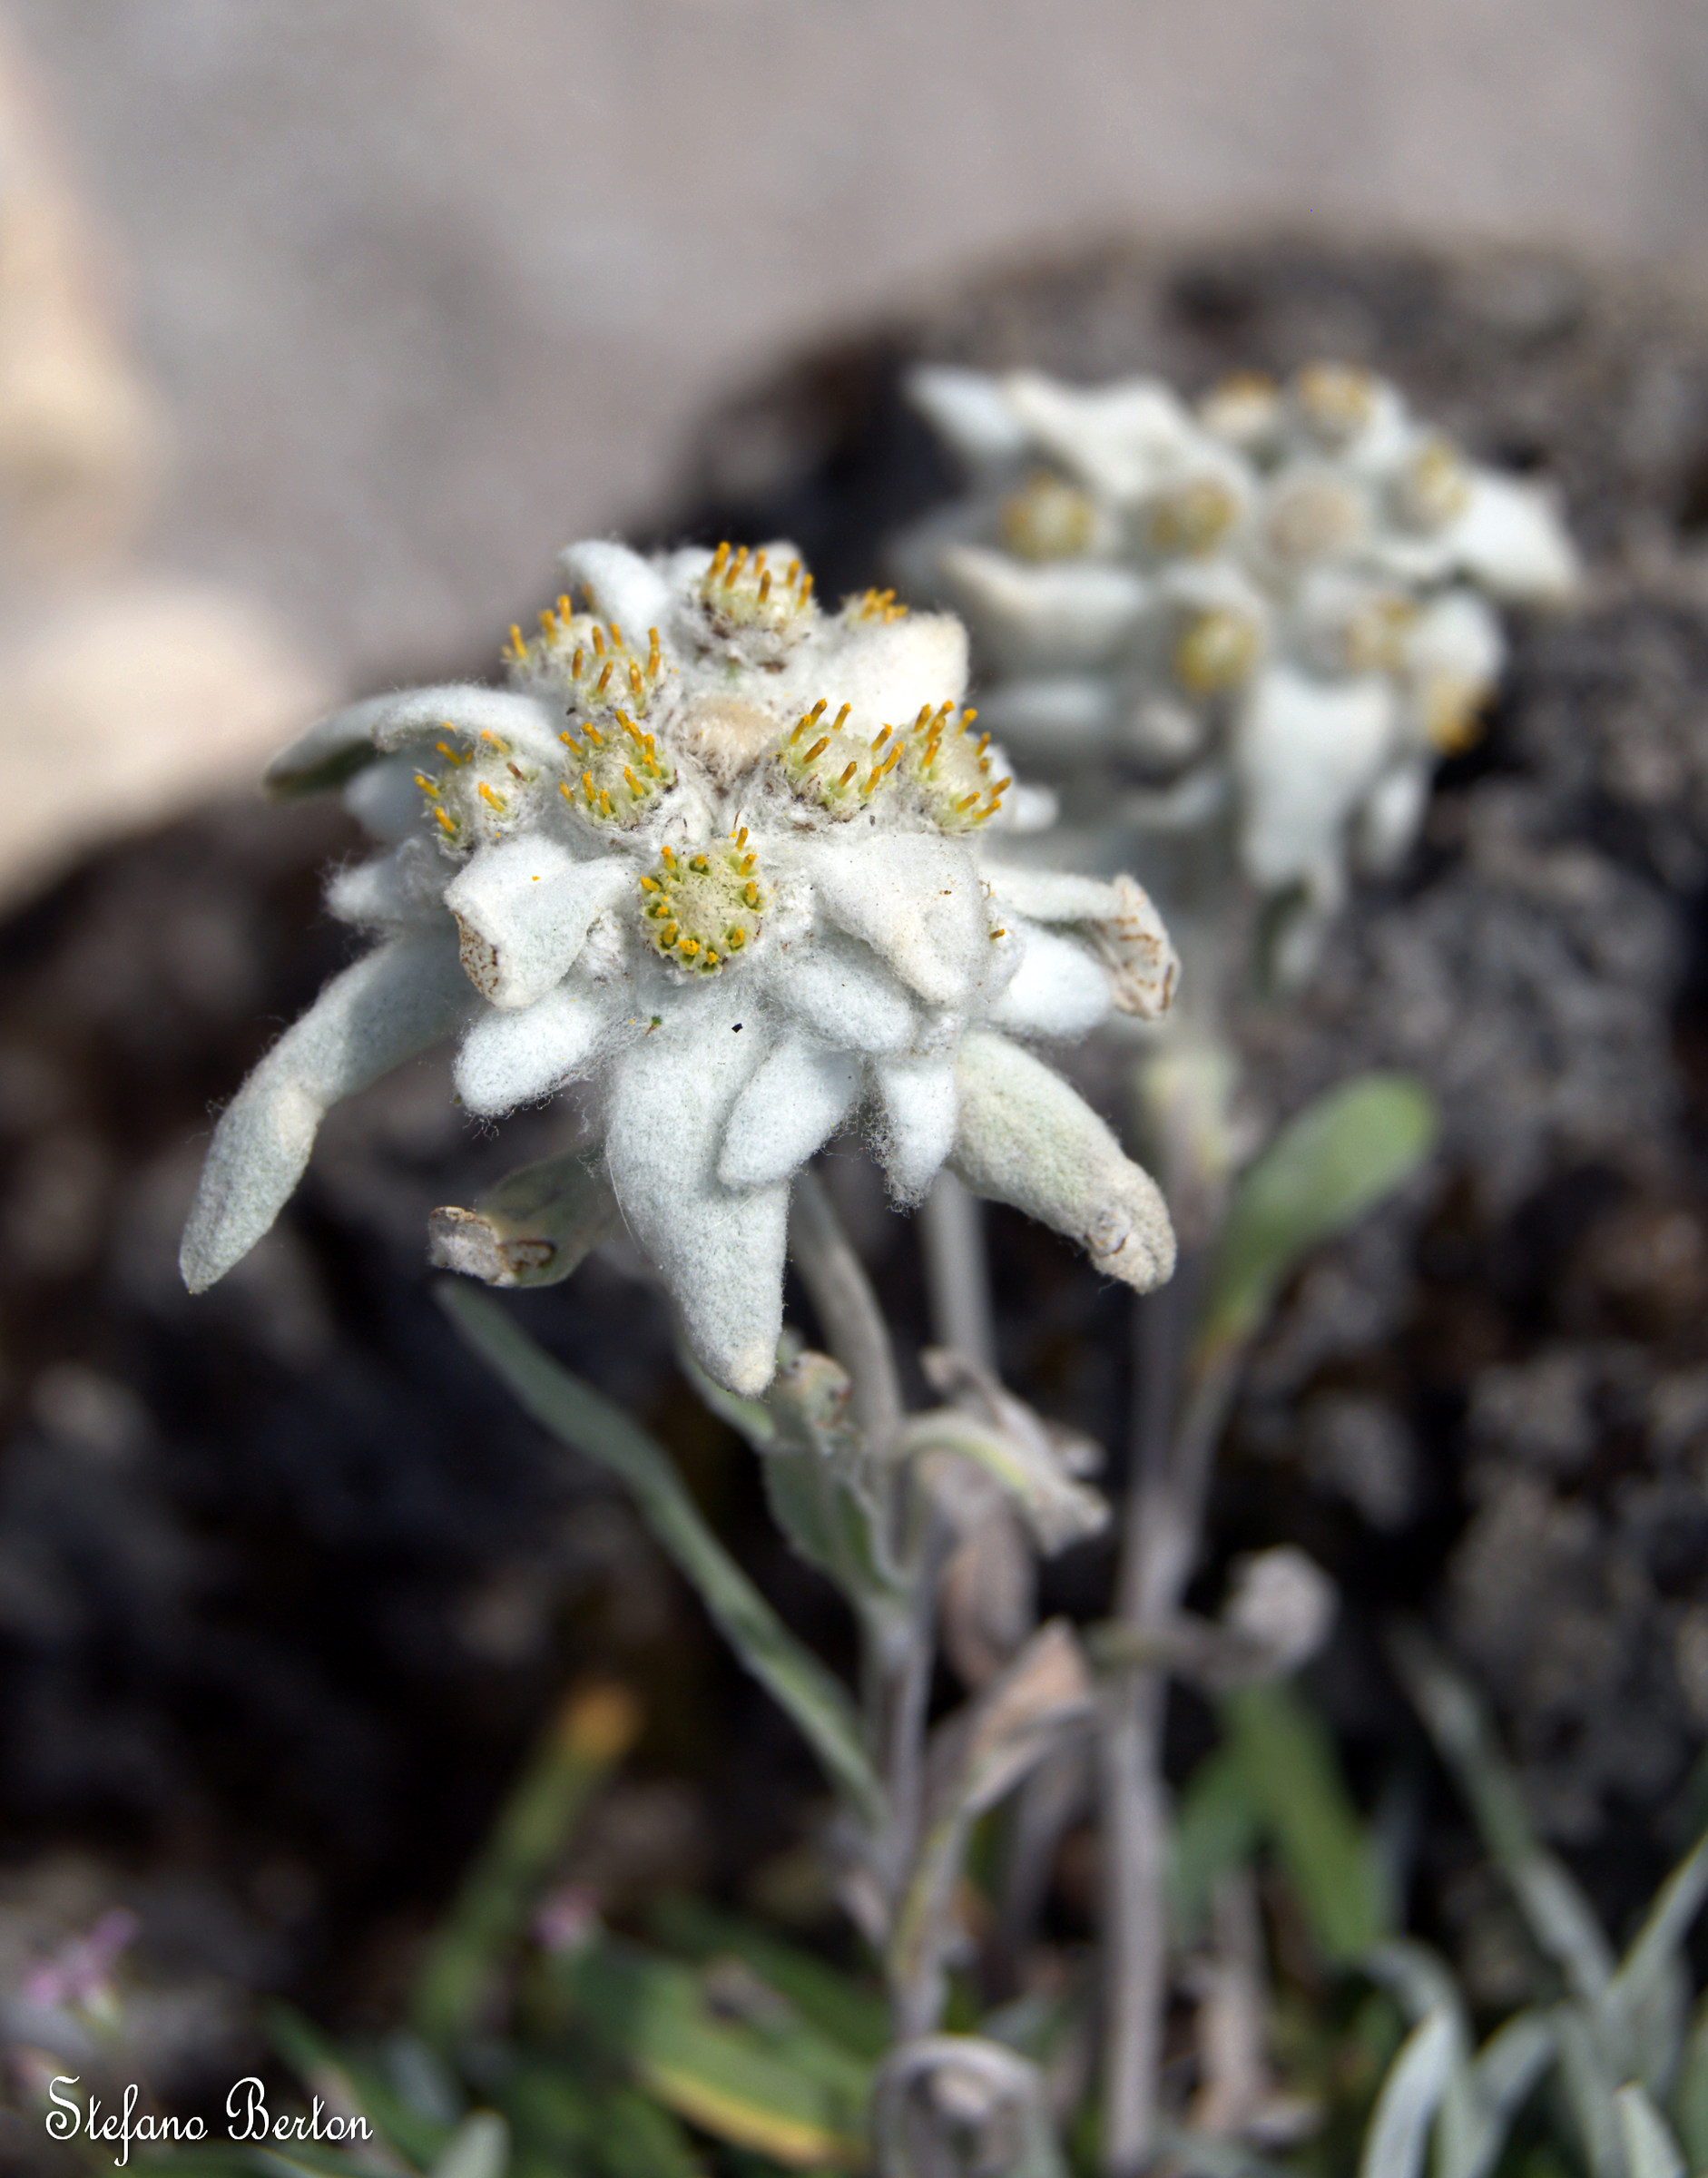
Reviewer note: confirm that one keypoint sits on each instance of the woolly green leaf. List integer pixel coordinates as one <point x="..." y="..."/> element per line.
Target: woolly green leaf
<point x="1411" y="2093"/>
<point x="1651" y="2151"/>
<point x="576" y="1414"/>
<point x="480" y="2148"/>
<point x="836" y="2003"/>
<point x="770" y="2084"/>
<point x="1644" y="2010"/>
<point x="1329" y="1165"/>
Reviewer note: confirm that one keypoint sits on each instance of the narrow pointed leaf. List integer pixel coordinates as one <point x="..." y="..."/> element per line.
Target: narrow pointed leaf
<point x="1410" y="2096"/>
<point x="1651" y="2151"/>
<point x="577" y="1415"/>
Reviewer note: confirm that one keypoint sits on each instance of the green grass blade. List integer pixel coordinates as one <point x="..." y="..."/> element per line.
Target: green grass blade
<point x="1291" y="1771"/>
<point x="577" y="1415"/>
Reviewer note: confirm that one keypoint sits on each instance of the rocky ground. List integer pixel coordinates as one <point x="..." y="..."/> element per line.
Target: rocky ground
<point x="284" y="1589"/>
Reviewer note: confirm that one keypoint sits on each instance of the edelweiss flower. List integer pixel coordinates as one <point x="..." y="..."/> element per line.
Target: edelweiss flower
<point x="1287" y="586"/>
<point x="734" y="863"/>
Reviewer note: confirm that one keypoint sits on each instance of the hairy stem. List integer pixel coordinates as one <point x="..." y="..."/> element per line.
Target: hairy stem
<point x="1161" y="1536"/>
<point x="957" y="1270"/>
<point x="847" y="1310"/>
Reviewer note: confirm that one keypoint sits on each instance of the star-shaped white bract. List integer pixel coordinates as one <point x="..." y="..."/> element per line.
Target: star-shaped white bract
<point x="734" y="864"/>
<point x="1290" y="587"/>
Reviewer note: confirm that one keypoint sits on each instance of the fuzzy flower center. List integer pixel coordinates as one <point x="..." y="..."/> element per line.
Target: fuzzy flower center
<point x="616" y="770"/>
<point x="1334" y="401"/>
<point x="1216" y="650"/>
<point x="742" y="592"/>
<point x="480" y="792"/>
<point x="1433" y="488"/>
<point x="1047" y="519"/>
<point x="585" y="662"/>
<point x="702" y="908"/>
<point x="1192" y="519"/>
<point x="950" y="770"/>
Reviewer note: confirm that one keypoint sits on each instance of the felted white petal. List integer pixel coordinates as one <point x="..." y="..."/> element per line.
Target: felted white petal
<point x="1122" y="930"/>
<point x="1510" y="538"/>
<point x="1392" y="816"/>
<point x="791" y="1108"/>
<point x="921" y="1109"/>
<point x="1027" y="1138"/>
<point x="391" y="1004"/>
<point x="1057" y="719"/>
<point x="1058" y="989"/>
<point x="524" y="909"/>
<point x="1120" y="439"/>
<point x="515" y="1058"/>
<point x="1071" y="615"/>
<point x="842" y="992"/>
<point x="1049" y="896"/>
<point x="970" y="410"/>
<point x="406" y="885"/>
<point x="885" y="669"/>
<point x="917" y="900"/>
<point x="625" y="587"/>
<point x="386" y="801"/>
<point x="719" y="1249"/>
<point x="338" y="747"/>
<point x="1305" y="753"/>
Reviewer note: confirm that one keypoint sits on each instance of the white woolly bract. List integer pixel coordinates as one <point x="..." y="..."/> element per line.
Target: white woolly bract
<point x="1027" y="1138"/>
<point x="402" y="998"/>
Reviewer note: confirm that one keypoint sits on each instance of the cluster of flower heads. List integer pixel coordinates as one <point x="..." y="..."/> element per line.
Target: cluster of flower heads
<point x="1283" y="589"/>
<point x="734" y="862"/>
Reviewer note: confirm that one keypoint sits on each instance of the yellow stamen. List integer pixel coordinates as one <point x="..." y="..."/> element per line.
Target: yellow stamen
<point x="651" y="884"/>
<point x="735" y="568"/>
<point x="651" y="653"/>
<point x="606" y="807"/>
<point x="548" y="623"/>
<point x="495" y="801"/>
<point x="735" y="939"/>
<point x="517" y="643"/>
<point x="616" y="637"/>
<point x="598" y="642"/>
<point x="984" y="743"/>
<point x="689" y="947"/>
<point x="764" y="592"/>
<point x="667" y="936"/>
<point x="750" y="893"/>
<point x="882" y="738"/>
<point x="446" y="819"/>
<point x="669" y="857"/>
<point x="817" y="749"/>
<point x="594" y="736"/>
<point x="574" y="663"/>
<point x="719" y="559"/>
<point x="637" y="687"/>
<point x="599" y="686"/>
<point x="793" y="576"/>
<point x="847" y="775"/>
<point x="426" y="785"/>
<point x="635" y="788"/>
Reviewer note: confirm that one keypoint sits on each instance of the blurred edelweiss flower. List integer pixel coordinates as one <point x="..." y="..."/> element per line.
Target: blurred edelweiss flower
<point x="734" y="862"/>
<point x="1287" y="588"/>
